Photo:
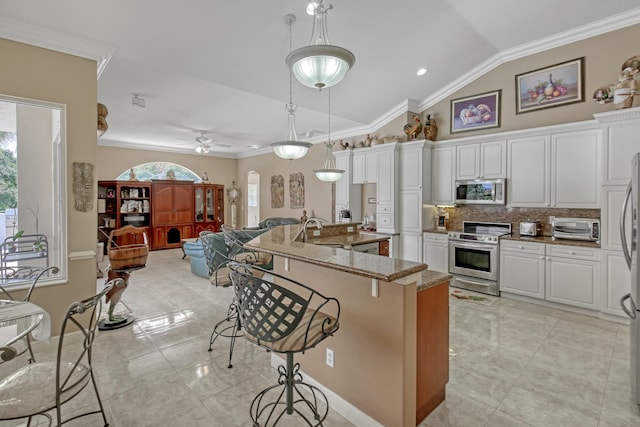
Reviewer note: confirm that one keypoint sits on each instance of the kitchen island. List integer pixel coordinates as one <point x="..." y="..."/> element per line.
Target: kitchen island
<point x="391" y="351"/>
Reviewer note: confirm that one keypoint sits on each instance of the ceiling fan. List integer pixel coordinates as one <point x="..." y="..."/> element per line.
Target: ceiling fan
<point x="203" y="141"/>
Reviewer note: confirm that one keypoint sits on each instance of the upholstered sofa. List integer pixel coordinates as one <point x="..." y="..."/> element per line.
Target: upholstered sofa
<point x="273" y="222"/>
<point x="195" y="252"/>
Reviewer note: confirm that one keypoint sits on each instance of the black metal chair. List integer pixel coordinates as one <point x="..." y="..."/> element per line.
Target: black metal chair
<point x="41" y="387"/>
<point x="287" y="318"/>
<point x="17" y="276"/>
<point x="220" y="249"/>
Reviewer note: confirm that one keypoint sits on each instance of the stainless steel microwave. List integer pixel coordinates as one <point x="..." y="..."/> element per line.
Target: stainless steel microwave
<point x="481" y="192"/>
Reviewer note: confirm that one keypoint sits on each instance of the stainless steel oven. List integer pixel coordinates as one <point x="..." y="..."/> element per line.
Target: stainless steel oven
<point x="474" y="256"/>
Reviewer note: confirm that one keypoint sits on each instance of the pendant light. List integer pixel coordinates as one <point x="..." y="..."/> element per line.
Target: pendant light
<point x="329" y="173"/>
<point x="320" y="65"/>
<point x="290" y="148"/>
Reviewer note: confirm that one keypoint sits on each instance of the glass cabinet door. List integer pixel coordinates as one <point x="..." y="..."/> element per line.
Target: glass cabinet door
<point x="199" y="198"/>
<point x="210" y="211"/>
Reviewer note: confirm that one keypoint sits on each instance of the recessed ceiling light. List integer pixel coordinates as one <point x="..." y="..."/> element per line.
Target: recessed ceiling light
<point x="422" y="71"/>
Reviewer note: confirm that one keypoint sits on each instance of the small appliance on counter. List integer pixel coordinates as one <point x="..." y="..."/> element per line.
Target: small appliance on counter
<point x="345" y="216"/>
<point x="529" y="228"/>
<point x="576" y="229"/>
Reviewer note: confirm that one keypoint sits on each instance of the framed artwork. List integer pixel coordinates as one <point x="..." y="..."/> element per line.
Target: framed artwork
<point x="296" y="190"/>
<point x="552" y="86"/>
<point x="277" y="191"/>
<point x="476" y="112"/>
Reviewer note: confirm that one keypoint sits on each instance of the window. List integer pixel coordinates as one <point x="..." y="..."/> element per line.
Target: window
<point x="252" y="195"/>
<point x="32" y="186"/>
<point x="159" y="170"/>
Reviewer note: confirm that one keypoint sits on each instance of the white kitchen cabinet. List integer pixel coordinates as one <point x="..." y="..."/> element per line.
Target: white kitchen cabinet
<point x="575" y="169"/>
<point x="528" y="171"/>
<point x="620" y="142"/>
<point x="387" y="189"/>
<point x="559" y="170"/>
<point x="411" y="246"/>
<point x="348" y="196"/>
<point x="486" y="160"/>
<point x="616" y="279"/>
<point x="435" y="251"/>
<point x="573" y="276"/>
<point x="522" y="268"/>
<point x="365" y="166"/>
<point x="612" y="198"/>
<point x="443" y="166"/>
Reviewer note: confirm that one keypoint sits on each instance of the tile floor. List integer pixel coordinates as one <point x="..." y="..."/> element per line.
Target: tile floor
<point x="512" y="363"/>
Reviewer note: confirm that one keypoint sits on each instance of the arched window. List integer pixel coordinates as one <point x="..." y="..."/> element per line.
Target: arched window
<point x="159" y="170"/>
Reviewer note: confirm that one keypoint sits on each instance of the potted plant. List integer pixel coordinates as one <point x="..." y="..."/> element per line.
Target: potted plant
<point x="11" y="246"/>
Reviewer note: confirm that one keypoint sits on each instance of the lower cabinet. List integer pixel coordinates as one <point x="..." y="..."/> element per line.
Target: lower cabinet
<point x="522" y="268"/>
<point x="616" y="278"/>
<point x="563" y="274"/>
<point x="411" y="246"/>
<point x="435" y="251"/>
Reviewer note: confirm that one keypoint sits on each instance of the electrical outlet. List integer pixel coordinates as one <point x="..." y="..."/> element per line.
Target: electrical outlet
<point x="316" y="233"/>
<point x="349" y="229"/>
<point x="551" y="218"/>
<point x="330" y="358"/>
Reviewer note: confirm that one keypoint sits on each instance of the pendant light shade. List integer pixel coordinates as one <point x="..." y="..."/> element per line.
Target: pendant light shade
<point x="290" y="148"/>
<point x="320" y="65"/>
<point x="329" y="173"/>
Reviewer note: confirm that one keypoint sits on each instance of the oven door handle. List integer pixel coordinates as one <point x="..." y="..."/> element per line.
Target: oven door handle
<point x="472" y="282"/>
<point x="463" y="245"/>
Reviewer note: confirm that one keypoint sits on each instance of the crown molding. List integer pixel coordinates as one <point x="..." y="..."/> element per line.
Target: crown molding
<point x="618" y="115"/>
<point x="163" y="148"/>
<point x="47" y="39"/>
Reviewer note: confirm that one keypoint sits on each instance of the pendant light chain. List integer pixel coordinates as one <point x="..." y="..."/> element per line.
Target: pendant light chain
<point x="329" y="119"/>
<point x="290" y="106"/>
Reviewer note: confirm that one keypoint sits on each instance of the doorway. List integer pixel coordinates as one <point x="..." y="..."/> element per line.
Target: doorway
<point x="253" y="199"/>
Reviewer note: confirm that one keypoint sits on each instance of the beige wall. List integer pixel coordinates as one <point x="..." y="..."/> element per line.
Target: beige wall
<point x="35" y="73"/>
<point x="603" y="57"/>
<point x="318" y="194"/>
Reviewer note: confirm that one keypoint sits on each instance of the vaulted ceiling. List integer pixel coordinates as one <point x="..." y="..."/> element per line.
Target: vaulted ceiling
<point x="219" y="65"/>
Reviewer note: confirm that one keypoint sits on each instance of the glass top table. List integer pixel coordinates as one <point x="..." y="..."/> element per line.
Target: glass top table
<point x="17" y="320"/>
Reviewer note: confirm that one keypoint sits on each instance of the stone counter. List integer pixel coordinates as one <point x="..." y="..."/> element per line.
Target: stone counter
<point x="550" y="240"/>
<point x="281" y="241"/>
<point x="430" y="279"/>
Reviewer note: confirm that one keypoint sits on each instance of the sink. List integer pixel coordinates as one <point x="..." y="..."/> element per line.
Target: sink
<point x="328" y="245"/>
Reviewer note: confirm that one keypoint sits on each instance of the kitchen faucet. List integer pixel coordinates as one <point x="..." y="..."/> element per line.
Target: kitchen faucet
<point x="317" y="221"/>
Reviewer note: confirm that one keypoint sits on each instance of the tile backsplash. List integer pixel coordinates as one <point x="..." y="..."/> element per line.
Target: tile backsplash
<point x="513" y="215"/>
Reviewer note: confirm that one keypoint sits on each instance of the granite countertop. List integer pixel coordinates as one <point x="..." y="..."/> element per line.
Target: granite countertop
<point x="433" y="230"/>
<point x="432" y="278"/>
<point x="280" y="241"/>
<point x="549" y="239"/>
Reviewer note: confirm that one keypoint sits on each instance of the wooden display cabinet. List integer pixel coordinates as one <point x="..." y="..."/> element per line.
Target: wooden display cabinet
<point x="123" y="203"/>
<point x="172" y="214"/>
<point x="208" y="214"/>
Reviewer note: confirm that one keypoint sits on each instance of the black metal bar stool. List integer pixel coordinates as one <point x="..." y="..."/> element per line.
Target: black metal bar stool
<point x="287" y="318"/>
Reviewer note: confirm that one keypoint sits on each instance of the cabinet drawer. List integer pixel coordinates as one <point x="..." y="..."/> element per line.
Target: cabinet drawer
<point x="574" y="252"/>
<point x="442" y="239"/>
<point x="384" y="209"/>
<point x="385" y="220"/>
<point x="523" y="247"/>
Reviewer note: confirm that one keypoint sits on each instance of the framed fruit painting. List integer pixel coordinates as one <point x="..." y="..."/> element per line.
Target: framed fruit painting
<point x="476" y="112"/>
<point x="552" y="86"/>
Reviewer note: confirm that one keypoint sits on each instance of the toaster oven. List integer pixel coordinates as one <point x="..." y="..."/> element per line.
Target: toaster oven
<point x="576" y="229"/>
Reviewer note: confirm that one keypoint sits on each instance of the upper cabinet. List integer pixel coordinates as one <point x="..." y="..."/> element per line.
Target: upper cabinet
<point x="486" y="160"/>
<point x="387" y="188"/>
<point x="620" y="142"/>
<point x="348" y="196"/>
<point x="365" y="166"/>
<point x="443" y="165"/>
<point x="555" y="170"/>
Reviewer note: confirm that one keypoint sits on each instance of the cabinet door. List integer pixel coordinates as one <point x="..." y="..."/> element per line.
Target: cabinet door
<point x="411" y="211"/>
<point x="199" y="204"/>
<point x="182" y="204"/>
<point x="210" y="212"/>
<point x="162" y="205"/>
<point x="522" y="273"/>
<point x="573" y="281"/>
<point x="371" y="167"/>
<point x="621" y="144"/>
<point x="411" y="247"/>
<point x="468" y="161"/>
<point x="359" y="168"/>
<point x="612" y="198"/>
<point x="616" y="280"/>
<point x="443" y="164"/>
<point x="435" y="251"/>
<point x="386" y="177"/>
<point x="575" y="169"/>
<point x="411" y="168"/>
<point x="493" y="156"/>
<point x="528" y="171"/>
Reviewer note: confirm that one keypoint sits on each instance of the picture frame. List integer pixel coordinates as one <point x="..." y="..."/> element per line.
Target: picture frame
<point x="552" y="86"/>
<point x="476" y="112"/>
